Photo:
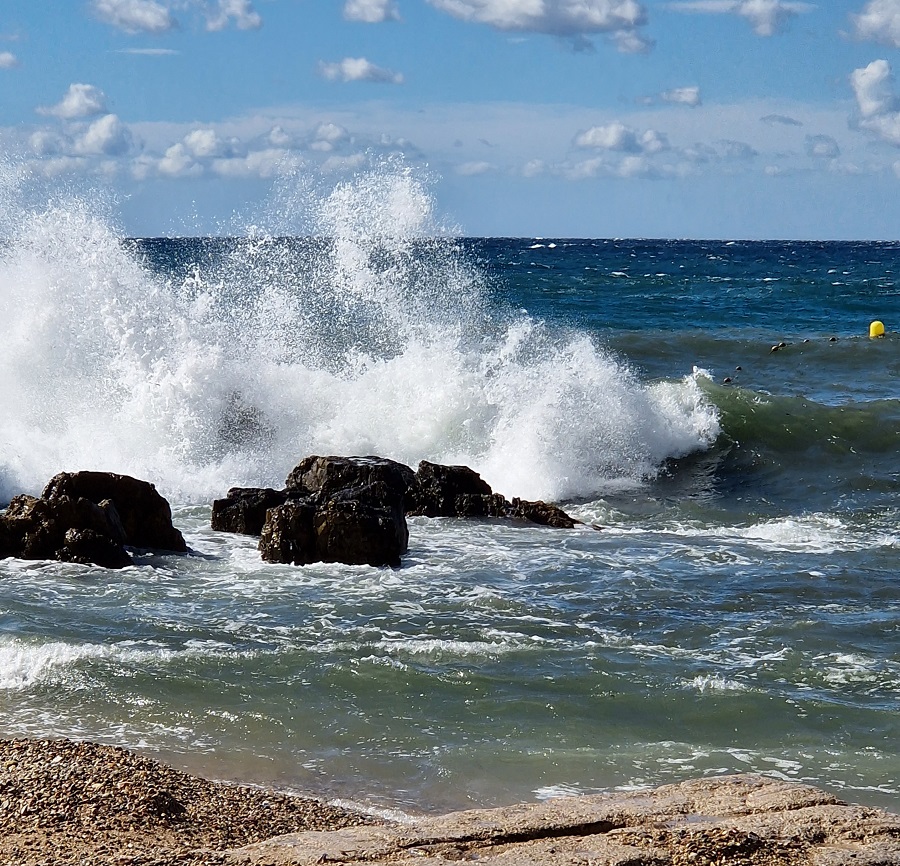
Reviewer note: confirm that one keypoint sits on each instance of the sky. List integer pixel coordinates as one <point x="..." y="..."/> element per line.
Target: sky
<point x="551" y="118"/>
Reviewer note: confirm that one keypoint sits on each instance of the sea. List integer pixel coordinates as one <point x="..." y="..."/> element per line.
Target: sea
<point x="715" y="412"/>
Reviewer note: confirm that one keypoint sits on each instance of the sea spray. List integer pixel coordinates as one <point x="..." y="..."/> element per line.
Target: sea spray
<point x="374" y="334"/>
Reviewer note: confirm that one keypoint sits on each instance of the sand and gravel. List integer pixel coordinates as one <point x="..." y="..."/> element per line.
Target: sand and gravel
<point x="64" y="803"/>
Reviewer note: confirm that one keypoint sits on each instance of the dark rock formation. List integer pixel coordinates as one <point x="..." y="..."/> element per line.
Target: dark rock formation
<point x="340" y="509"/>
<point x="352" y="509"/>
<point x="65" y="528"/>
<point x="448" y="491"/>
<point x="244" y="509"/>
<point x="543" y="513"/>
<point x="326" y="476"/>
<point x="145" y="515"/>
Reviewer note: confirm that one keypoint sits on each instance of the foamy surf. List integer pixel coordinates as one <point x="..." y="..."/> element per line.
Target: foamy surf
<point x="377" y="338"/>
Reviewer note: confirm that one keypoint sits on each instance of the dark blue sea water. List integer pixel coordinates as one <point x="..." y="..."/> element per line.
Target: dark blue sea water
<point x="737" y="611"/>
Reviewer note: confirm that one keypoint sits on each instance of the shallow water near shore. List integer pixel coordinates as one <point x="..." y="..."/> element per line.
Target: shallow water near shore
<point x="737" y="611"/>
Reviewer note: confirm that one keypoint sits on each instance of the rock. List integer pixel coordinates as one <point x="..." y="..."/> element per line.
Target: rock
<point x="362" y="526"/>
<point x="145" y="515"/>
<point x="326" y="476"/>
<point x="244" y="509"/>
<point x="438" y="491"/>
<point x="89" y="547"/>
<point x="288" y="534"/>
<point x="543" y="513"/>
<point x="66" y="528"/>
<point x="356" y="526"/>
<point x="738" y="820"/>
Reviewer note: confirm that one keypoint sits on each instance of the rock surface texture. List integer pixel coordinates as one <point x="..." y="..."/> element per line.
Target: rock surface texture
<point x="734" y="820"/>
<point x="66" y="803"/>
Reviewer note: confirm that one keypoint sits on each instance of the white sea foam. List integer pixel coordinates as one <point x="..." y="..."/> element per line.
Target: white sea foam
<point x="376" y="341"/>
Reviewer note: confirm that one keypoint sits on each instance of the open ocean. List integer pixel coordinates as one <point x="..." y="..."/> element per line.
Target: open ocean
<point x="738" y="611"/>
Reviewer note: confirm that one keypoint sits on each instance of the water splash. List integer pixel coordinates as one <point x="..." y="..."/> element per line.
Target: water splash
<point x="373" y="333"/>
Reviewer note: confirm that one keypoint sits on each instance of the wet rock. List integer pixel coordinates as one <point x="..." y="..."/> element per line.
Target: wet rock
<point x="67" y="529"/>
<point x="362" y="526"/>
<point x="89" y="547"/>
<point x="326" y="476"/>
<point x="288" y="534"/>
<point x="447" y="491"/>
<point x="356" y="526"/>
<point x="244" y="509"/>
<point x="543" y="513"/>
<point x="145" y="515"/>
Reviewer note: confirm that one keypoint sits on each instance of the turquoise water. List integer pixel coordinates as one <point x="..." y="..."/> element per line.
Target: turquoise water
<point x="737" y="610"/>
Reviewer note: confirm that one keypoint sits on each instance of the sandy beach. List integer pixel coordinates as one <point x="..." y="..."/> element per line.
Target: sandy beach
<point x="65" y="802"/>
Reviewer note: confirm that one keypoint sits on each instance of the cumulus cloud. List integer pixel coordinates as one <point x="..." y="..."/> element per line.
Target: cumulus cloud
<point x="682" y="96"/>
<point x="879" y="21"/>
<point x="106" y="136"/>
<point x="822" y="147"/>
<point x="156" y="16"/>
<point x="358" y="69"/>
<point x="327" y="136"/>
<point x="241" y="12"/>
<point x="471" y="169"/>
<point x="202" y="143"/>
<point x="134" y="16"/>
<point x="766" y="17"/>
<point x="878" y="106"/>
<point x="81" y="100"/>
<point x="570" y="18"/>
<point x="371" y="11"/>
<point x="739" y="150"/>
<point x="873" y="87"/>
<point x="616" y="136"/>
<point x="177" y="162"/>
<point x="8" y="60"/>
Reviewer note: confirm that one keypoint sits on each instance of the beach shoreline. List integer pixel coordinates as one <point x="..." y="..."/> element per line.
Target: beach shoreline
<point x="71" y="802"/>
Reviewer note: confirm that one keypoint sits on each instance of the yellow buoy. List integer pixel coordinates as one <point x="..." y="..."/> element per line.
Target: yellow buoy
<point x="876" y="329"/>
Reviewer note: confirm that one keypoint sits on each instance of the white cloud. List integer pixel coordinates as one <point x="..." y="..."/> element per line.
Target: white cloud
<point x="81" y="100"/>
<point x="202" y="143"/>
<point x="327" y="136"/>
<point x="682" y="96"/>
<point x="737" y="150"/>
<point x="239" y="11"/>
<point x="106" y="136"/>
<point x="767" y="17"/>
<point x="618" y="137"/>
<point x="266" y="163"/>
<point x="879" y="21"/>
<point x="822" y="147"/>
<point x="177" y="162"/>
<point x="43" y="142"/>
<point x="371" y="11"/>
<point x="570" y="18"/>
<point x="534" y="167"/>
<point x="872" y="86"/>
<point x="134" y="16"/>
<point x="471" y="169"/>
<point x="8" y="60"/>
<point x="358" y="69"/>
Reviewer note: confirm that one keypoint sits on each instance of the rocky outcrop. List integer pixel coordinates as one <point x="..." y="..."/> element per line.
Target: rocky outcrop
<point x="67" y="529"/>
<point x="353" y="509"/>
<point x="89" y="518"/>
<point x="339" y="509"/>
<point x="243" y="510"/>
<point x="145" y="515"/>
<point x="735" y="820"/>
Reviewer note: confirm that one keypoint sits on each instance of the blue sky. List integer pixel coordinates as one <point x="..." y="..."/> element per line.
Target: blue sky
<point x="661" y="118"/>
